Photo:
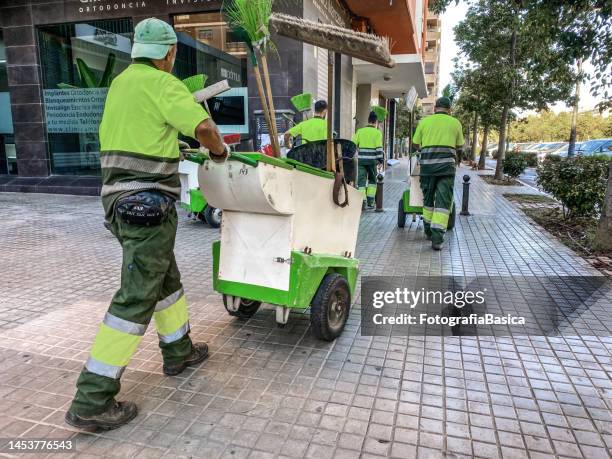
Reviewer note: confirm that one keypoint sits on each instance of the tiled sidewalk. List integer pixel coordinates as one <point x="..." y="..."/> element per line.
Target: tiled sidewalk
<point x="268" y="392"/>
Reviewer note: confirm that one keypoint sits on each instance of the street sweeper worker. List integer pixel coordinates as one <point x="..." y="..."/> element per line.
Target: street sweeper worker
<point x="369" y="141"/>
<point x="312" y="129"/>
<point x="438" y="136"/>
<point x="146" y="107"/>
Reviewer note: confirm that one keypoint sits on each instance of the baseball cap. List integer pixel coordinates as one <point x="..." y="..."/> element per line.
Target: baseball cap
<point x="152" y="39"/>
<point x="443" y="102"/>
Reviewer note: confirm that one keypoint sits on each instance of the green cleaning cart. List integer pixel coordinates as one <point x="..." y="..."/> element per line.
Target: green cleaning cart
<point x="192" y="199"/>
<point x="411" y="202"/>
<point x="283" y="239"/>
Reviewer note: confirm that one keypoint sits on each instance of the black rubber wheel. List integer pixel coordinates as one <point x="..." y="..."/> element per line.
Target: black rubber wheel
<point x="451" y="218"/>
<point x="330" y="307"/>
<point x="246" y="310"/>
<point x="401" y="215"/>
<point x="213" y="216"/>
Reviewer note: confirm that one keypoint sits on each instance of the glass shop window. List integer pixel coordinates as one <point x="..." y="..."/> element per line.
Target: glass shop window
<point x="207" y="45"/>
<point x="79" y="61"/>
<point x="8" y="157"/>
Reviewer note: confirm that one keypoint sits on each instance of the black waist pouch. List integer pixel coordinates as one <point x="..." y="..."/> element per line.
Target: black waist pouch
<point x="146" y="208"/>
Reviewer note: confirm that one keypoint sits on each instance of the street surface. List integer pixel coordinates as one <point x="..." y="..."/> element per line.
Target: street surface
<point x="267" y="392"/>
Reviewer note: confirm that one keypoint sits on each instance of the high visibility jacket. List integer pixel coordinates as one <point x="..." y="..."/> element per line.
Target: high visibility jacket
<point x="438" y="135"/>
<point x="369" y="140"/>
<point x="145" y="110"/>
<point x="311" y="130"/>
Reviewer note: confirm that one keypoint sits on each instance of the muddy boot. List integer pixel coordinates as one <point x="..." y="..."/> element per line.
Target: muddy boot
<point x="119" y="414"/>
<point x="199" y="353"/>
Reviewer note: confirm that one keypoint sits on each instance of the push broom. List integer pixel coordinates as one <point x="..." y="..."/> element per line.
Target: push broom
<point x="302" y="103"/>
<point x="249" y="21"/>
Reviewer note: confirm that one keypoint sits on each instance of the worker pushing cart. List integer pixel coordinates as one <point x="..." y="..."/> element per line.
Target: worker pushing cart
<point x="369" y="141"/>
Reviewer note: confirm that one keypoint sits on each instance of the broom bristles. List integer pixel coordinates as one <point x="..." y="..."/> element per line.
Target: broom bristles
<point x="367" y="47"/>
<point x="302" y="102"/>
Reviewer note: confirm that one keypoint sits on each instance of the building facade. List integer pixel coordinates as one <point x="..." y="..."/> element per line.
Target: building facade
<point x="58" y="57"/>
<point x="432" y="61"/>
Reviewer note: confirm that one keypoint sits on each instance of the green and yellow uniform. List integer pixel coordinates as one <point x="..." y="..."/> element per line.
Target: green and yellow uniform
<point x="438" y="135"/>
<point x="369" y="141"/>
<point x="144" y="111"/>
<point x="310" y="130"/>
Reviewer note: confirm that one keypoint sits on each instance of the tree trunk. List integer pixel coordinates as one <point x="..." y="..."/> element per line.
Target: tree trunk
<point x="501" y="146"/>
<point x="503" y="125"/>
<point x="474" y="137"/>
<point x="483" y="150"/>
<point x="572" y="139"/>
<point x="603" y="238"/>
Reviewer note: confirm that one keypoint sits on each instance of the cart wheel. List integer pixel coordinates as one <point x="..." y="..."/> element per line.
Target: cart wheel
<point x="401" y="215"/>
<point x="213" y="216"/>
<point x="330" y="306"/>
<point x="246" y="308"/>
<point x="451" y="218"/>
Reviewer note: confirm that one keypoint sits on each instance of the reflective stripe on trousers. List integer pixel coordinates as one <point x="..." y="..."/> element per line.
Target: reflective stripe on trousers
<point x="171" y="317"/>
<point x="439" y="218"/>
<point x="114" y="346"/>
<point x="427" y="214"/>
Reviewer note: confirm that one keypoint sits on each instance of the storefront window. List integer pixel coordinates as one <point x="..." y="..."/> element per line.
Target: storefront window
<point x="210" y="29"/>
<point x="8" y="158"/>
<point x="78" y="62"/>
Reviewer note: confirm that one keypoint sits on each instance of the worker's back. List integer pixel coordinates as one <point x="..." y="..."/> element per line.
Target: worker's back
<point x="311" y="130"/>
<point x="369" y="140"/>
<point x="438" y="135"/>
<point x="144" y="111"/>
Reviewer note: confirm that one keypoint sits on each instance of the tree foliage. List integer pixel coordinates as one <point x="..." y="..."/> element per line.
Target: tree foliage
<point x="548" y="126"/>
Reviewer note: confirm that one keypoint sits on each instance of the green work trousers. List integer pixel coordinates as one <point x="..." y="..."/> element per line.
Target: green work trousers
<point x="150" y="288"/>
<point x="437" y="204"/>
<point x="366" y="180"/>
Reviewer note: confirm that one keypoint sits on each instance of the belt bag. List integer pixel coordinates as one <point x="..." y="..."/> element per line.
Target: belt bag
<point x="146" y="208"/>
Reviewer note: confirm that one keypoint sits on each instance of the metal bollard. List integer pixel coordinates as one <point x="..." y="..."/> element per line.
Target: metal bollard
<point x="465" y="202"/>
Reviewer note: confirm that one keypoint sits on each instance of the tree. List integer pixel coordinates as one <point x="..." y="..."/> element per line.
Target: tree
<point x="515" y="47"/>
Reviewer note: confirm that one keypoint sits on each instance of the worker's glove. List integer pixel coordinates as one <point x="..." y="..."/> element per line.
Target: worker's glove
<point x="220" y="157"/>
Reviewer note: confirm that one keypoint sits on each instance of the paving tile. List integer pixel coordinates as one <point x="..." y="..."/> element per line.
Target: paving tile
<point x="266" y="392"/>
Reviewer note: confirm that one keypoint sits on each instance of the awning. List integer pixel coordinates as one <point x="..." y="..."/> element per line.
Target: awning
<point x="396" y="81"/>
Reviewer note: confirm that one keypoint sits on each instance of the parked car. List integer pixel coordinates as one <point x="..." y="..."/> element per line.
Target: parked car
<point x="549" y="148"/>
<point x="595" y="147"/>
<point x="562" y="152"/>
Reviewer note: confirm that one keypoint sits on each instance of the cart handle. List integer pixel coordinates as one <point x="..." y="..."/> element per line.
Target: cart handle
<point x="200" y="157"/>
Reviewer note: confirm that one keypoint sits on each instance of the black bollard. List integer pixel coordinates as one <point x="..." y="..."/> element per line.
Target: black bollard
<point x="465" y="202"/>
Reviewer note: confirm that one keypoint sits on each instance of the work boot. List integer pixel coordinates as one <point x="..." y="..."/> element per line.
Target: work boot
<point x="199" y="353"/>
<point x="363" y="205"/>
<point x="371" y="203"/>
<point x="119" y="414"/>
<point x="437" y="245"/>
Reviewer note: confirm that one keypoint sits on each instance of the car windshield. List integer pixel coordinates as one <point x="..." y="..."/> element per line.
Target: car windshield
<point x="591" y="145"/>
<point x="552" y="146"/>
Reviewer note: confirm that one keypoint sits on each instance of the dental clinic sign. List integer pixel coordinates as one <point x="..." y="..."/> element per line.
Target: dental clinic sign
<point x="100" y="6"/>
<point x="74" y="110"/>
<point x="140" y="6"/>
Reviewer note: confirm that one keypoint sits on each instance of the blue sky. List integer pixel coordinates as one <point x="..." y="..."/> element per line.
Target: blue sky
<point x="454" y="15"/>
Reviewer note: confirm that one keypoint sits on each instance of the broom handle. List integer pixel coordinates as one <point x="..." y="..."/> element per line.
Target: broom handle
<point x="262" y="97"/>
<point x="331" y="154"/>
<point x="275" y="144"/>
